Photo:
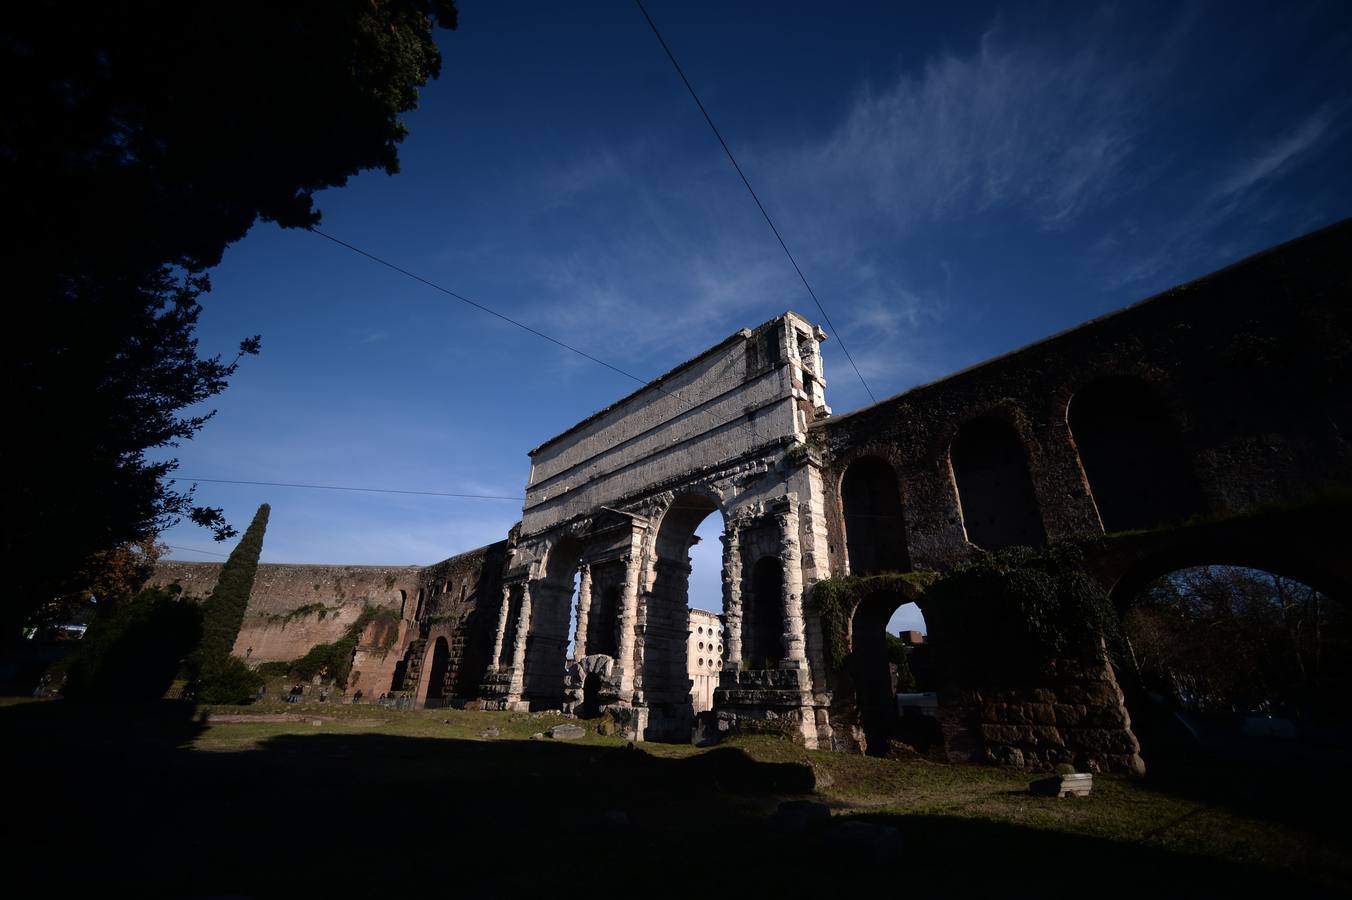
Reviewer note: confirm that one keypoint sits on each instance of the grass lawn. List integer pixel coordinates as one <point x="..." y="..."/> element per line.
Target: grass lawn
<point x="298" y="800"/>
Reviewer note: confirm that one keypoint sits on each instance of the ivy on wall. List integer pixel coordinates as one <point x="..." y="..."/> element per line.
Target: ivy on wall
<point x="1021" y="610"/>
<point x="836" y="599"/>
<point x="335" y="660"/>
<point x="1016" y="611"/>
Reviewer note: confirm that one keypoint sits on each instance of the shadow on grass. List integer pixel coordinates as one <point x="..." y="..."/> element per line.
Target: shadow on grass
<point x="1290" y="785"/>
<point x="117" y="798"/>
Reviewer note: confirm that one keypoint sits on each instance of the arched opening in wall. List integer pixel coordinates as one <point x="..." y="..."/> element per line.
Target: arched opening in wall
<point x="513" y="623"/>
<point x="893" y="675"/>
<point x="403" y="602"/>
<point x="399" y="682"/>
<point x="688" y="574"/>
<point x="418" y="607"/>
<point x="603" y="632"/>
<point x="436" y="665"/>
<point x="591" y="691"/>
<point x="875" y="529"/>
<point x="763" y="615"/>
<point x="553" y="612"/>
<point x="1225" y="668"/>
<point x="1133" y="455"/>
<point x="995" y="491"/>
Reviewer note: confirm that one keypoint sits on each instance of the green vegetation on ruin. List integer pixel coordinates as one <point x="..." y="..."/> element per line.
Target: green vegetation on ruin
<point x="836" y="598"/>
<point x="334" y="661"/>
<point x="318" y="610"/>
<point x="1044" y="599"/>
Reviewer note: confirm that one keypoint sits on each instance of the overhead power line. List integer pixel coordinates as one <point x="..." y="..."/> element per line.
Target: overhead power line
<point x="726" y="149"/>
<point x="196" y="550"/>
<point x="492" y="312"/>
<point x="343" y="487"/>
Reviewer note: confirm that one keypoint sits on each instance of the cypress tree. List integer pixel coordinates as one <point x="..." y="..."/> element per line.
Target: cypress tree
<point x="223" y="614"/>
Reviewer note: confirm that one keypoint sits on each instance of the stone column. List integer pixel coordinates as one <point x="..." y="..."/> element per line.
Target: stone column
<point x="633" y="563"/>
<point x="732" y="598"/>
<point x="518" y="670"/>
<point x="503" y="612"/>
<point x="584" y="589"/>
<point x="794" y="655"/>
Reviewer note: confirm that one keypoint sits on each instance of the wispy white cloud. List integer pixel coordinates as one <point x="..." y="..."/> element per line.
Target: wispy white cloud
<point x="658" y="293"/>
<point x="1276" y="156"/>
<point x="1044" y="127"/>
<point x="1239" y="191"/>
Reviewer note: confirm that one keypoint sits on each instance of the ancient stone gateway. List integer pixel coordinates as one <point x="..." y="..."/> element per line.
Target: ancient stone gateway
<point x="1207" y="404"/>
<point x="616" y="500"/>
<point x="1209" y="424"/>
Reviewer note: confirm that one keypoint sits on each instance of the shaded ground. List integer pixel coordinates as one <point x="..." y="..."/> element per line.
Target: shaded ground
<point x="154" y="802"/>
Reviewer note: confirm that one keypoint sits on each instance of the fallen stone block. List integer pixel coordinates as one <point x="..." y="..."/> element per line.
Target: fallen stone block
<point x="1062" y="786"/>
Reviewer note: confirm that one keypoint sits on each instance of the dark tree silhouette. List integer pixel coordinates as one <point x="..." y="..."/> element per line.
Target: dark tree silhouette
<point x="134" y="652"/>
<point x="137" y="141"/>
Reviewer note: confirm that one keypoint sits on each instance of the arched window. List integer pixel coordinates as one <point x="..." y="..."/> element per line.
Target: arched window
<point x="875" y="532"/>
<point x="994" y="488"/>
<point x="1132" y="455"/>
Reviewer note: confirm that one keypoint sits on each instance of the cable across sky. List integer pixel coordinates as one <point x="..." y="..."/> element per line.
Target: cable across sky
<point x="343" y="487"/>
<point x="752" y="191"/>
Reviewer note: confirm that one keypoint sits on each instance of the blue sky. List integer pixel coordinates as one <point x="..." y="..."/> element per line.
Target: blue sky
<point x="956" y="180"/>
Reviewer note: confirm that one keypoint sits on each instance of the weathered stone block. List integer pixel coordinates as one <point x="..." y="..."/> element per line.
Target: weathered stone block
<point x="1041" y="713"/>
<point x="1007" y="734"/>
<point x="1102" y="740"/>
<point x="1005" y="755"/>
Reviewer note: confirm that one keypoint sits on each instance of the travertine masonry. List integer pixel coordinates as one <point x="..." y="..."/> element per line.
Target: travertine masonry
<point x="1203" y="424"/>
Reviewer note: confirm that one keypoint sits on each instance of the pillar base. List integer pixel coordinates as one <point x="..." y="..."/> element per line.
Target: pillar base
<point x="771" y="701"/>
<point x="494" y="690"/>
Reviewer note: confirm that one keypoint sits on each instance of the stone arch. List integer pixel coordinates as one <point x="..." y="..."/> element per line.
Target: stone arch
<point x="1184" y="550"/>
<point x="1246" y="650"/>
<point x="871" y="510"/>
<point x="510" y="626"/>
<point x="552" y="599"/>
<point x="436" y="664"/>
<point x="1299" y="544"/>
<point x="597" y="689"/>
<point x="1132" y="453"/>
<point x="870" y="672"/>
<point x="665" y="616"/>
<point x="995" y="489"/>
<point x="680" y="517"/>
<point x="400" y="677"/>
